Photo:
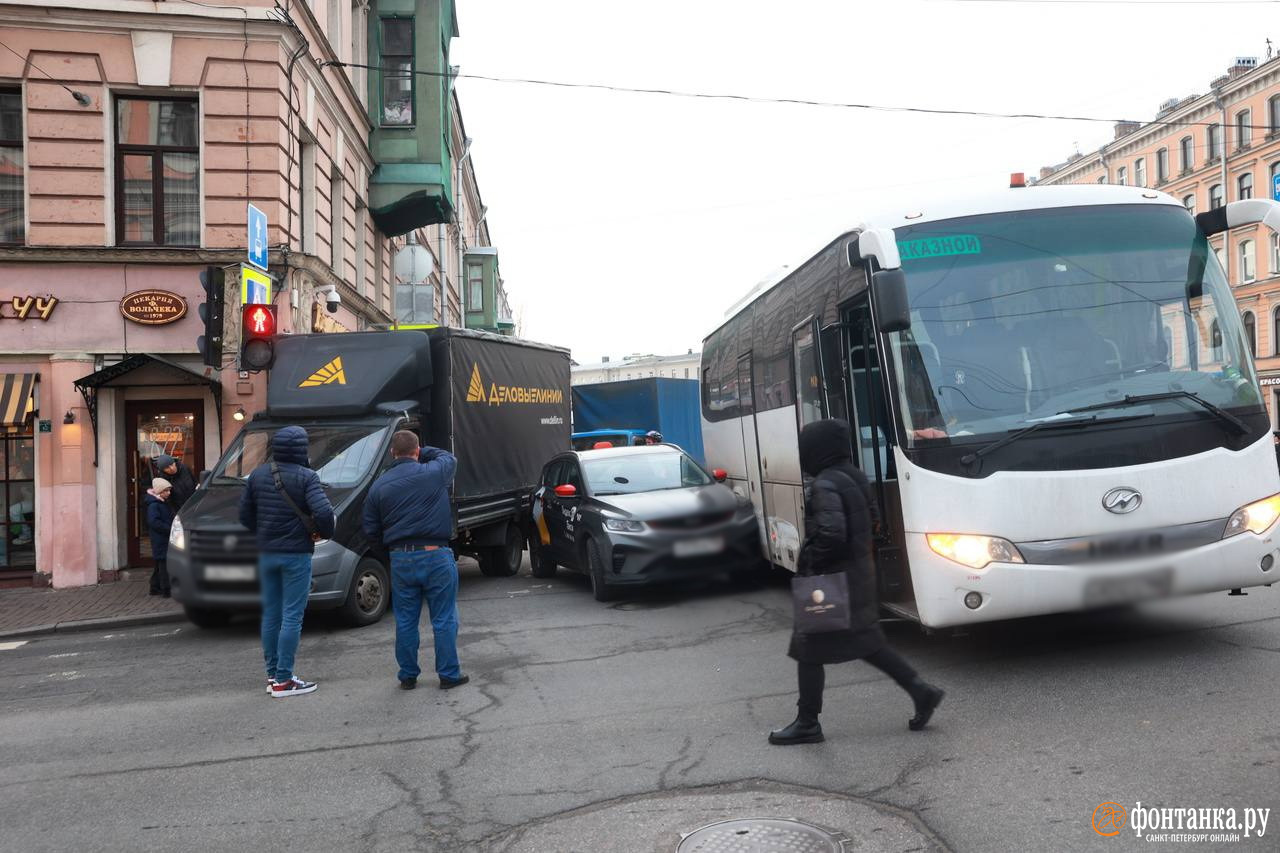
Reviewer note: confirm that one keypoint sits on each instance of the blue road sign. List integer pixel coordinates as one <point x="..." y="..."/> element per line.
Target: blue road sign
<point x="257" y="238"/>
<point x="1275" y="186"/>
<point x="255" y="287"/>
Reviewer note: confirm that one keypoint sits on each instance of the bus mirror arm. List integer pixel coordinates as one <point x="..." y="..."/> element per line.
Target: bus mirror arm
<point x="1249" y="211"/>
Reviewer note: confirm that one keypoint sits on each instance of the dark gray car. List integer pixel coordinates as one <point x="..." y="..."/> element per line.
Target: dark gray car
<point x="637" y="515"/>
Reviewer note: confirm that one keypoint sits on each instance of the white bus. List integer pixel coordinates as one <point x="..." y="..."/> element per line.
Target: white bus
<point x="1051" y="391"/>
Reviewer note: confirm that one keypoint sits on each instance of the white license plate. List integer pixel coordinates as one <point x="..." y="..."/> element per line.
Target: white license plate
<point x="1101" y="592"/>
<point x="230" y="573"/>
<point x="698" y="547"/>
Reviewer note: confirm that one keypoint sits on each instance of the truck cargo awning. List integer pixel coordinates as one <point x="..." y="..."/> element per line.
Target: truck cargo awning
<point x="17" y="398"/>
<point x="130" y="374"/>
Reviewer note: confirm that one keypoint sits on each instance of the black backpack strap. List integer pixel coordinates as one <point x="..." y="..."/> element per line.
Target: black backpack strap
<point x="307" y="521"/>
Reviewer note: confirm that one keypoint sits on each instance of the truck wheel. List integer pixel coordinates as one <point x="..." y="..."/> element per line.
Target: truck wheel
<point x="595" y="569"/>
<point x="503" y="561"/>
<point x="541" y="564"/>
<point x="369" y="595"/>
<point x="202" y="618"/>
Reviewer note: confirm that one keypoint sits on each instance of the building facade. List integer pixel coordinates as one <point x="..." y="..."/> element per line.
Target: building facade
<point x="132" y="137"/>
<point x="1207" y="150"/>
<point x="637" y="367"/>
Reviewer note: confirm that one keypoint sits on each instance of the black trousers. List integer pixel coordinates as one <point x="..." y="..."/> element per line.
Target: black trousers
<point x="160" y="577"/>
<point x="813" y="677"/>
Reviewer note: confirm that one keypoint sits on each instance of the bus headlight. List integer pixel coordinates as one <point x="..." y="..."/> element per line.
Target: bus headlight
<point x="177" y="536"/>
<point x="976" y="552"/>
<point x="1257" y="517"/>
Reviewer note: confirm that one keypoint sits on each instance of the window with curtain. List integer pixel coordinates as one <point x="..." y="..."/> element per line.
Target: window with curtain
<point x="1140" y="172"/>
<point x="1275" y="254"/>
<point x="1162" y="165"/>
<point x="1273" y="113"/>
<point x="12" y="168"/>
<point x="1251" y="332"/>
<point x="1244" y="129"/>
<point x="475" y="288"/>
<point x="1187" y="150"/>
<point x="157" y="172"/>
<point x="1215" y="196"/>
<point x="1122" y="176"/>
<point x="397" y="71"/>
<point x="1213" y="142"/>
<point x="1189" y="201"/>
<point x="1248" y="269"/>
<point x="1244" y="186"/>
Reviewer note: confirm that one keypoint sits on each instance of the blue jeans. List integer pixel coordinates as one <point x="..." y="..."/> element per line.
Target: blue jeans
<point x="432" y="574"/>
<point x="286" y="581"/>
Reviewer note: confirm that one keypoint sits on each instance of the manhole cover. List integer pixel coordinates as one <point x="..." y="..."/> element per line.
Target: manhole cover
<point x="760" y="835"/>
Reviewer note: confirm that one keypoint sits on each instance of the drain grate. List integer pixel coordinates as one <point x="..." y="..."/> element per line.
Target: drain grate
<point x="761" y="835"/>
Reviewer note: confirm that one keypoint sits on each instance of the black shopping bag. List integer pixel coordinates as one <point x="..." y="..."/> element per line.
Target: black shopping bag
<point x="821" y="603"/>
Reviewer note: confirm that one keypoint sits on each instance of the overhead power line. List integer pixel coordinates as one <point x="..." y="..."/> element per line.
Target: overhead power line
<point x="804" y="102"/>
<point x="81" y="98"/>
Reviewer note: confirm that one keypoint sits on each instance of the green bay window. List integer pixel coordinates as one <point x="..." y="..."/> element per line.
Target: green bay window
<point x="397" y="72"/>
<point x="157" y="172"/>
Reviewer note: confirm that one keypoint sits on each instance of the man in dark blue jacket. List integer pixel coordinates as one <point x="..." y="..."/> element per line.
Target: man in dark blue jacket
<point x="285" y="506"/>
<point x="408" y="510"/>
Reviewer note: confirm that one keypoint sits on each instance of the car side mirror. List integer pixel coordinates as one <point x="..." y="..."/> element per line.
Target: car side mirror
<point x="720" y="474"/>
<point x="567" y="491"/>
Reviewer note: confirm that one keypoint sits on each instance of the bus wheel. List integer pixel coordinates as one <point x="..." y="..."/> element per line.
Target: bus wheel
<point x="202" y="618"/>
<point x="369" y="595"/>
<point x="504" y="560"/>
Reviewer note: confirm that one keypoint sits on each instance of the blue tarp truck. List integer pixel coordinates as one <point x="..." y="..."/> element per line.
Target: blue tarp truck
<point x="670" y="406"/>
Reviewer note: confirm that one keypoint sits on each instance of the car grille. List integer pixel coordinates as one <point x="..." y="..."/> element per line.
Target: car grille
<point x="211" y="546"/>
<point x="692" y="522"/>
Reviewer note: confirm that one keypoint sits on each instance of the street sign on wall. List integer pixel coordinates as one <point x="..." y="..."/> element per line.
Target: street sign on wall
<point x="1275" y="186"/>
<point x="257" y="238"/>
<point x="255" y="287"/>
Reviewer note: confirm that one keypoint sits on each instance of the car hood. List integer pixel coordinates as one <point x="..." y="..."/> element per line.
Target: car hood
<point x="671" y="503"/>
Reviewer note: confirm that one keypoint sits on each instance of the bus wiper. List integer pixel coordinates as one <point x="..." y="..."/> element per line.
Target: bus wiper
<point x="1059" y="423"/>
<point x="1238" y="426"/>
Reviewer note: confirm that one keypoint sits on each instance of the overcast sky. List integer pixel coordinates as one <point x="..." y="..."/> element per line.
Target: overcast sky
<point x="629" y="223"/>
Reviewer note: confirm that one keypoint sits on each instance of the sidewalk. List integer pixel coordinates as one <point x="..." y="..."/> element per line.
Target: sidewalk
<point x="24" y="612"/>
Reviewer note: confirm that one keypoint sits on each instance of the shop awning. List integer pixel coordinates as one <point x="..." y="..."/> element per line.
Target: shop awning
<point x="17" y="398"/>
<point x="141" y="371"/>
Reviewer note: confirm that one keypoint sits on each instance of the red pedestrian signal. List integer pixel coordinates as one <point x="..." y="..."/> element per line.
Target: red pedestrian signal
<point x="257" y="337"/>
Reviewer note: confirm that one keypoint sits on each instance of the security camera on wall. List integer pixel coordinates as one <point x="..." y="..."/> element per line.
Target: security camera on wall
<point x="332" y="299"/>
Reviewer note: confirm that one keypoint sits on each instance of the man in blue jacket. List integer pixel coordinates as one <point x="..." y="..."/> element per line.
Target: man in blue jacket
<point x="408" y="510"/>
<point x="285" y="506"/>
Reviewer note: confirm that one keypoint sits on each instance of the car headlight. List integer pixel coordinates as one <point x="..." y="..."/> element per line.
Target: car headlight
<point x="976" y="552"/>
<point x="1257" y="517"/>
<point x="177" y="536"/>
<point x="623" y="525"/>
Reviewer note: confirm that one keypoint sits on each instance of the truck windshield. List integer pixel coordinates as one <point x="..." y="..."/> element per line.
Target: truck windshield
<point x="624" y="474"/>
<point x="341" y="455"/>
<point x="1017" y="317"/>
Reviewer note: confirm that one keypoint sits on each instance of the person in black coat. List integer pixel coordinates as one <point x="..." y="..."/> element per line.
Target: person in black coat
<point x="180" y="476"/>
<point x="838" y="538"/>
<point x="160" y="513"/>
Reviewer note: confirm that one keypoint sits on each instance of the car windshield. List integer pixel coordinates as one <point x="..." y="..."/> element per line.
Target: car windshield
<point x="1017" y="317"/>
<point x="623" y="474"/>
<point x="342" y="456"/>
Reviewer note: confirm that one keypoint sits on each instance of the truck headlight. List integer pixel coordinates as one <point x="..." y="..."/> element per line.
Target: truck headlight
<point x="177" y="536"/>
<point x="976" y="552"/>
<point x="623" y="525"/>
<point x="1257" y="517"/>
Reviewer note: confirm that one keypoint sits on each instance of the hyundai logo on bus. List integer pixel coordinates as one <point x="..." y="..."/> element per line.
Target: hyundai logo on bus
<point x="1122" y="500"/>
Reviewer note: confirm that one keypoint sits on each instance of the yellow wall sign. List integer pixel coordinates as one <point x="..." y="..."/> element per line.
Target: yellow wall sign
<point x="255" y="287"/>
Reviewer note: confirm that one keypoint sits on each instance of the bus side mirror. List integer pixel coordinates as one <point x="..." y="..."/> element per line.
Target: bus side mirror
<point x="889" y="292"/>
<point x="720" y="474"/>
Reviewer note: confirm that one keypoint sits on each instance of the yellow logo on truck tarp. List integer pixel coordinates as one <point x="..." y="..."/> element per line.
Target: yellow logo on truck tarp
<point x="327" y="375"/>
<point x="499" y="394"/>
<point x="475" y="391"/>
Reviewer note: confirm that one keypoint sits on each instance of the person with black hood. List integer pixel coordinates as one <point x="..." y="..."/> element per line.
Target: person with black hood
<point x="179" y="475"/>
<point x="838" y="538"/>
<point x="285" y="505"/>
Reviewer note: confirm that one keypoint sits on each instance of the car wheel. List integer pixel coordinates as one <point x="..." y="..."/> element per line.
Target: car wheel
<point x="504" y="560"/>
<point x="595" y="569"/>
<point x="540" y="562"/>
<point x="369" y="595"/>
<point x="203" y="618"/>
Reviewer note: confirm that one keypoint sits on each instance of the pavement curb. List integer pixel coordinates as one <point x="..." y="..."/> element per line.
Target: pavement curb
<point x="93" y="624"/>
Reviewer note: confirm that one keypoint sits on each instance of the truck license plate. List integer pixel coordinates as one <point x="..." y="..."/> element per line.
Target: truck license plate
<point x="1101" y="592"/>
<point x="698" y="547"/>
<point x="229" y="573"/>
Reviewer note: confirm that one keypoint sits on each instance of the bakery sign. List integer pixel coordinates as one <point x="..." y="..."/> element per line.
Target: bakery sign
<point x="153" y="307"/>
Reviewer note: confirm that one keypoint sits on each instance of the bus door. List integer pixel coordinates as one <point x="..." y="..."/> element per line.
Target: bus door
<point x="872" y="433"/>
<point x="750" y="439"/>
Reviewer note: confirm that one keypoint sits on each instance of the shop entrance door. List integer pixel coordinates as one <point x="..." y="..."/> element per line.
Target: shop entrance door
<point x="152" y="428"/>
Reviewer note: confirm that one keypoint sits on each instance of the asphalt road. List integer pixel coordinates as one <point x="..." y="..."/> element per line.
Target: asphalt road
<point x="593" y="727"/>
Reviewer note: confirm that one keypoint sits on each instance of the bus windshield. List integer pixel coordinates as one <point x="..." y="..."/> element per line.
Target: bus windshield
<point x="1022" y="316"/>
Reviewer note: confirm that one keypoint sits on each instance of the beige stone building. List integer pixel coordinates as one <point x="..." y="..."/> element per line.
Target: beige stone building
<point x="1208" y="150"/>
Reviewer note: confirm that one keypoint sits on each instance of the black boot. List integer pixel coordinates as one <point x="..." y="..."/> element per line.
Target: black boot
<point x="805" y="729"/>
<point x="927" y="699"/>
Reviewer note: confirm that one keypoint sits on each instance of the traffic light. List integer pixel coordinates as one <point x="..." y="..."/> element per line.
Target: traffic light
<point x="210" y="343"/>
<point x="257" y="337"/>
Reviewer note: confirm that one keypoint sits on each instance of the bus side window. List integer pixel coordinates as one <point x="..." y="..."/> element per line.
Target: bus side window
<point x="832" y="372"/>
<point x="808" y="377"/>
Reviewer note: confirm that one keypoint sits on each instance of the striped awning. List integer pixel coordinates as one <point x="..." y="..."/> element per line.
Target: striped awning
<point x="16" y="398"/>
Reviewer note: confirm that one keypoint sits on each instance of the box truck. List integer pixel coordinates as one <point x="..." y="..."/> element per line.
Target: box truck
<point x="611" y="411"/>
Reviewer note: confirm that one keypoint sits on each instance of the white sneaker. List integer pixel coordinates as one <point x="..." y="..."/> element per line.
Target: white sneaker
<point x="270" y="683"/>
<point x="293" y="687"/>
